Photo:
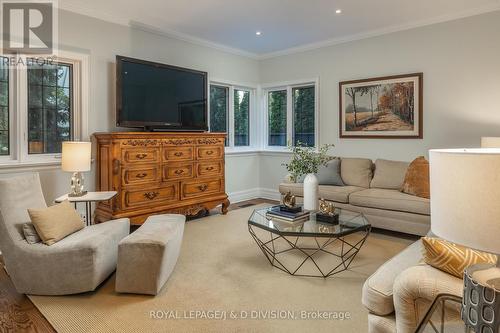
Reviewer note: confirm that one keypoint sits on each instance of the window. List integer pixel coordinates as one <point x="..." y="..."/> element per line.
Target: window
<point x="291" y="115"/>
<point x="219" y="109"/>
<point x="303" y="116"/>
<point x="276" y="101"/>
<point x="49" y="107"/>
<point x="4" y="108"/>
<point x="45" y="105"/>
<point x="231" y="112"/>
<point x="241" y="117"/>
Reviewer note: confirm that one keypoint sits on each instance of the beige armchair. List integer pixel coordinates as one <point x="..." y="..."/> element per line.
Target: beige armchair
<point x="399" y="293"/>
<point x="76" y="264"/>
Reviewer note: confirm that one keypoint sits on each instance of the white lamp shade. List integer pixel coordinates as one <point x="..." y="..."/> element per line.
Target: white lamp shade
<point x="76" y="156"/>
<point x="465" y="197"/>
<point x="490" y="142"/>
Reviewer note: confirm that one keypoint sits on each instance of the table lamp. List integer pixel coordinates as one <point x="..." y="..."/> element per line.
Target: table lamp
<point x="76" y="159"/>
<point x="465" y="209"/>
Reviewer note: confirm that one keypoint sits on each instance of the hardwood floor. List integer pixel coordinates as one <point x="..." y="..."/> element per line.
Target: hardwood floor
<point x="19" y="315"/>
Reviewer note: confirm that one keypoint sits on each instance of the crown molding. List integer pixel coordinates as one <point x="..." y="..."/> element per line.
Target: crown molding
<point x="80" y="8"/>
<point x="193" y="40"/>
<point x="380" y="32"/>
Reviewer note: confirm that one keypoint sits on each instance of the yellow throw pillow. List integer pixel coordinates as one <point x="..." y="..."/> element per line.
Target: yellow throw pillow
<point x="56" y="222"/>
<point x="452" y="258"/>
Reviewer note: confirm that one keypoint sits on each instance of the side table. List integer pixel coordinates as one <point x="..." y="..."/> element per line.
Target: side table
<point x="88" y="199"/>
<point x="441" y="317"/>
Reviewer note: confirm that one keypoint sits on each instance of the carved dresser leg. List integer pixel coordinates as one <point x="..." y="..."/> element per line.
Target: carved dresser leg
<point x="225" y="206"/>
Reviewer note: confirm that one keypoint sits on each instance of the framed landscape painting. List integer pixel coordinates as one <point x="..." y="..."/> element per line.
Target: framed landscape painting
<point x="382" y="107"/>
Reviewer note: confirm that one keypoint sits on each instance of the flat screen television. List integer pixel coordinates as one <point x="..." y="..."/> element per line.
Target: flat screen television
<point x="157" y="96"/>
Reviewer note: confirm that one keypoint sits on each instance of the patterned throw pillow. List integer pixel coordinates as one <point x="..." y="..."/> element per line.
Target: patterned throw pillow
<point x="452" y="258"/>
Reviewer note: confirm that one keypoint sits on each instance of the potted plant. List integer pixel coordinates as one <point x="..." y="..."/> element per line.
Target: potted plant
<point x="307" y="161"/>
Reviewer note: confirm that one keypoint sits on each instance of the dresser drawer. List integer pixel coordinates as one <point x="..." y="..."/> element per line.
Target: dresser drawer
<point x="173" y="154"/>
<point x="201" y="188"/>
<point x="203" y="153"/>
<point x="140" y="155"/>
<point x="209" y="168"/>
<point x="154" y="196"/>
<point x="140" y="175"/>
<point x="175" y="171"/>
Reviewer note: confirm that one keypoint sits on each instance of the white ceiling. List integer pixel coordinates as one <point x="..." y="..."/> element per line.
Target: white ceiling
<point x="286" y="25"/>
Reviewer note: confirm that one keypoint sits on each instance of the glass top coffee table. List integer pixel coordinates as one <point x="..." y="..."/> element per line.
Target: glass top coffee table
<point x="310" y="248"/>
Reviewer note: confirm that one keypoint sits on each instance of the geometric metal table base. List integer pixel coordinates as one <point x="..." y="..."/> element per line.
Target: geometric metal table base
<point x="322" y="245"/>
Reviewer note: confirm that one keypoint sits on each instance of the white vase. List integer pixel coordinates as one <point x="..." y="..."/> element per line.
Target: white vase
<point x="311" y="192"/>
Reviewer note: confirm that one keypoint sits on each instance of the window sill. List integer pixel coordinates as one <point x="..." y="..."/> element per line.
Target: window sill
<point x="35" y="165"/>
<point x="243" y="151"/>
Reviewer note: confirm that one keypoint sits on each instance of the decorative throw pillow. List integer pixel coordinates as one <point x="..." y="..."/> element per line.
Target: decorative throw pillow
<point x="389" y="174"/>
<point x="417" y="178"/>
<point x="356" y="171"/>
<point x="330" y="174"/>
<point x="452" y="258"/>
<point x="30" y="234"/>
<point x="56" y="222"/>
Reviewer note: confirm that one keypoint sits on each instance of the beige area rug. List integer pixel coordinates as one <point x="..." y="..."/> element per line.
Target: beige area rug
<point x="220" y="270"/>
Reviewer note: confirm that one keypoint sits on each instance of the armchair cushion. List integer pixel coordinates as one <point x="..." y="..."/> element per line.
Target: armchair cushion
<point x="56" y="222"/>
<point x="415" y="289"/>
<point x="378" y="289"/>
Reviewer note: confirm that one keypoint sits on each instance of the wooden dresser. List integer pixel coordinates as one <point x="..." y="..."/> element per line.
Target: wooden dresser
<point x="159" y="172"/>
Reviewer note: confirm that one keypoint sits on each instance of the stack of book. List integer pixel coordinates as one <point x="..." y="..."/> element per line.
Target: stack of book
<point x="276" y="213"/>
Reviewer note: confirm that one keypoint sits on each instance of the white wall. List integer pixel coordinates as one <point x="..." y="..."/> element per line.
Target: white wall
<point x="460" y="62"/>
<point x="103" y="41"/>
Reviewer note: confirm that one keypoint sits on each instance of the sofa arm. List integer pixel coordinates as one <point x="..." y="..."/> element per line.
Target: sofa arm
<point x="415" y="289"/>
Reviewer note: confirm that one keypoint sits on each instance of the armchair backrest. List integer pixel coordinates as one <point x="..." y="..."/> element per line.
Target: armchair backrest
<point x="17" y="194"/>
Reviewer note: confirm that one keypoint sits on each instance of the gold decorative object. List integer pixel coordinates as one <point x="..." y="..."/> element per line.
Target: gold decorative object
<point x="327" y="208"/>
<point x="289" y="200"/>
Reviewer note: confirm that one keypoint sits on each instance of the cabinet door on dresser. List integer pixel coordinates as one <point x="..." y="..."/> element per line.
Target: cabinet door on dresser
<point x="178" y="170"/>
<point x="176" y="154"/>
<point x="201" y="187"/>
<point x="209" y="168"/>
<point x="140" y="174"/>
<point x="140" y="155"/>
<point x="144" y="197"/>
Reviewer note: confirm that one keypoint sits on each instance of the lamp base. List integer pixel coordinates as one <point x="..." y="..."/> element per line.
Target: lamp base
<point x="481" y="301"/>
<point x="77" y="182"/>
<point x="72" y="195"/>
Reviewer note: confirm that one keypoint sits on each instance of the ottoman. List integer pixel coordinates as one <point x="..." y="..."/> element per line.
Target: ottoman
<point x="147" y="257"/>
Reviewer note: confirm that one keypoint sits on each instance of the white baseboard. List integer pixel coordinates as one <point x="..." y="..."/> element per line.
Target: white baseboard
<point x="254" y="193"/>
<point x="269" y="193"/>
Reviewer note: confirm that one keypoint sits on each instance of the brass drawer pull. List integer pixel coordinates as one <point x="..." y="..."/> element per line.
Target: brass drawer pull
<point x="178" y="154"/>
<point x="179" y="172"/>
<point x="141" y="156"/>
<point x="210" y="168"/>
<point x="203" y="187"/>
<point x="210" y="152"/>
<point x="151" y="195"/>
<point x="141" y="175"/>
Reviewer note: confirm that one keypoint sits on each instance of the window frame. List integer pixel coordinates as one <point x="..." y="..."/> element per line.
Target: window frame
<point x="252" y="117"/>
<point x="18" y="112"/>
<point x="289" y="86"/>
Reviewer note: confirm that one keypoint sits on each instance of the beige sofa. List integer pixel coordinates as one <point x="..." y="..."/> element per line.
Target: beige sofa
<point x="373" y="189"/>
<point x="399" y="293"/>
